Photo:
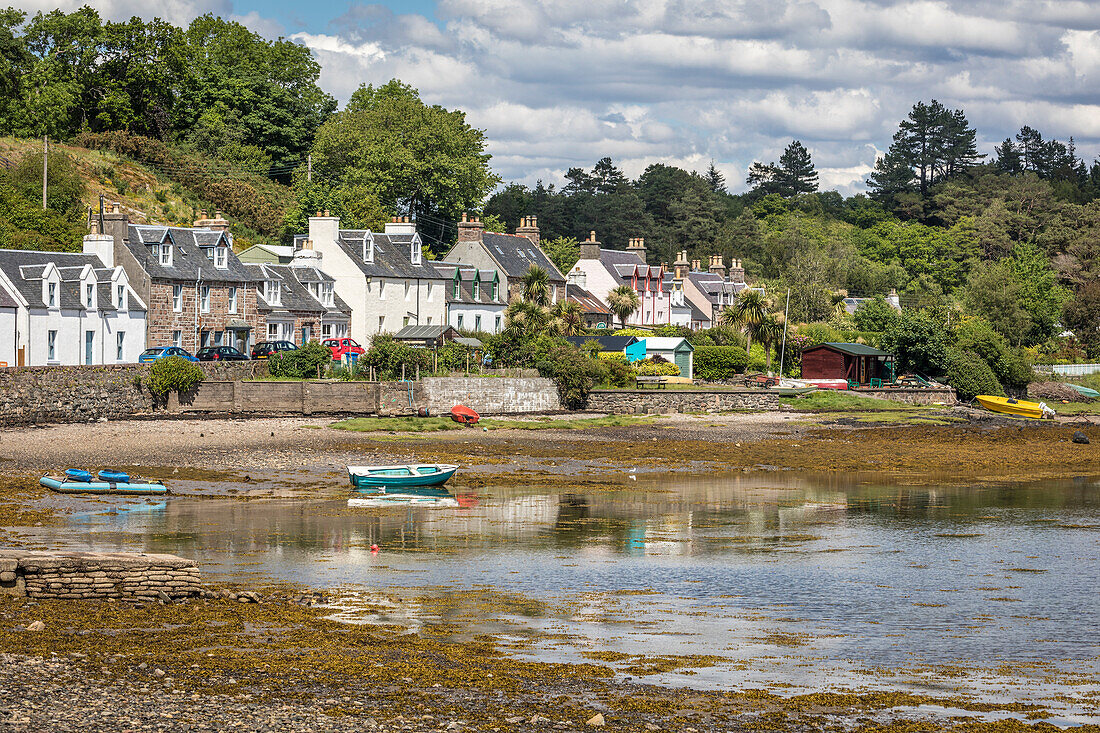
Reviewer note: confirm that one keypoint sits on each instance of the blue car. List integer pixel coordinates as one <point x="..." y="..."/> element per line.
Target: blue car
<point x="159" y="352"/>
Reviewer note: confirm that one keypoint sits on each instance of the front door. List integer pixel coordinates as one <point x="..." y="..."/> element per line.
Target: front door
<point x="89" y="346"/>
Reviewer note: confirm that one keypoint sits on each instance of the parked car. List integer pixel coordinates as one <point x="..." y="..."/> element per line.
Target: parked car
<point x="159" y="352"/>
<point x="340" y="347"/>
<point x="220" y="353"/>
<point x="264" y="349"/>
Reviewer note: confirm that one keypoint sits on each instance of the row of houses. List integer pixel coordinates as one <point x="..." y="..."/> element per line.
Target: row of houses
<point x="136" y="285"/>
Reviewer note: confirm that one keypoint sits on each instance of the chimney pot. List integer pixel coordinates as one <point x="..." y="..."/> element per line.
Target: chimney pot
<point x="326" y="212"/>
<point x="592" y="236"/>
<point x="463" y="216"/>
<point x="217" y="213"/>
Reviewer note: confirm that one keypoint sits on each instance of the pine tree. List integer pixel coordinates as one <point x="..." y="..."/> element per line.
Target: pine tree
<point x="715" y="179"/>
<point x="1008" y="158"/>
<point x="797" y="170"/>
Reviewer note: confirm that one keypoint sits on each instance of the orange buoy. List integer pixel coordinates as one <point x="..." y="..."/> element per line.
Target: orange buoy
<point x="464" y="415"/>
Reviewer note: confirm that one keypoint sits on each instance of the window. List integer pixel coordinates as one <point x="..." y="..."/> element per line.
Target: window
<point x="232" y="306"/>
<point x="121" y="297"/>
<point x="206" y="338"/>
<point x="477" y="323"/>
<point x="381" y="289"/>
<point x="177" y="339"/>
<point x="408" y="287"/>
<point x="272" y="292"/>
<point x="460" y="321"/>
<point x="496" y="325"/>
<point x="431" y="293"/>
<point x="218" y="338"/>
<point x="204" y="298"/>
<point x="120" y="342"/>
<point x="404" y="321"/>
<point x="326" y="330"/>
<point x="51" y="346"/>
<point x="177" y="298"/>
<point x="273" y="332"/>
<point x="496" y="290"/>
<point x="477" y="290"/>
<point x="221" y="257"/>
<point x="429" y="320"/>
<point x="381" y="320"/>
<point x="166" y="255"/>
<point x="51" y="297"/>
<point x="328" y="297"/>
<point x="454" y="293"/>
<point x="89" y="295"/>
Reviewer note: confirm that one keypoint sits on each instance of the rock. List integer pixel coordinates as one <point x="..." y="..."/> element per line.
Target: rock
<point x="7" y="576"/>
<point x="164" y="596"/>
<point x="539" y="719"/>
<point x="514" y="719"/>
<point x="454" y="725"/>
<point x="1079" y="437"/>
<point x="36" y="626"/>
<point x="651" y="726"/>
<point x="158" y="672"/>
<point x="596" y="721"/>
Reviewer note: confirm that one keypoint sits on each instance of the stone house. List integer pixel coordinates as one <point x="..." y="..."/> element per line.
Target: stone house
<point x="67" y="308"/>
<point x="298" y="302"/>
<point x="512" y="255"/>
<point x="660" y="303"/>
<point x="196" y="289"/>
<point x="475" y="298"/>
<point x="383" y="278"/>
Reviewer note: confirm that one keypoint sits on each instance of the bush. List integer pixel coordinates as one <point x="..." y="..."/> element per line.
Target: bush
<point x="720" y="362"/>
<point x="612" y="356"/>
<point x="617" y="373"/>
<point x="1009" y="365"/>
<point x="453" y="358"/>
<point x="919" y="342"/>
<point x="820" y="333"/>
<point x="717" y="336"/>
<point x="303" y="363"/>
<point x="174" y="373"/>
<point x="653" y="368"/>
<point x="875" y="315"/>
<point x="388" y="356"/>
<point x="572" y="371"/>
<point x="970" y="375"/>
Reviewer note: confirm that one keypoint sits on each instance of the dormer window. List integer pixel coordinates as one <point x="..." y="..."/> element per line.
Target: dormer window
<point x="221" y="257"/>
<point x="89" y="295"/>
<point x="328" y="298"/>
<point x="496" y="290"/>
<point x="415" y="253"/>
<point x="454" y="293"/>
<point x="272" y="292"/>
<point x="120" y="301"/>
<point x="166" y="255"/>
<point x="51" y="295"/>
<point x="477" y="289"/>
<point x="368" y="249"/>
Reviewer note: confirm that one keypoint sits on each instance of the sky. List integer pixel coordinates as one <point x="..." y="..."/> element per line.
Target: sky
<point x="562" y="83"/>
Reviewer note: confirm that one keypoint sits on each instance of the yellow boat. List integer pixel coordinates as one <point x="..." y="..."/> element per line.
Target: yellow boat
<point x="1011" y="406"/>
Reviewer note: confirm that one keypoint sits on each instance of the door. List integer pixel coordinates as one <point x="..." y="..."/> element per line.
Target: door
<point x="89" y="346"/>
<point x="683" y="361"/>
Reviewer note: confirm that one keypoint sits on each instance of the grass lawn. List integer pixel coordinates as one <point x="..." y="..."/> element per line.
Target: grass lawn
<point x="435" y="424"/>
<point x="1074" y="408"/>
<point x="829" y="404"/>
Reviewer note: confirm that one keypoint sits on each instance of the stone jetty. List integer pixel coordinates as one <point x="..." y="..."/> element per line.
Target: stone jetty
<point x="90" y="575"/>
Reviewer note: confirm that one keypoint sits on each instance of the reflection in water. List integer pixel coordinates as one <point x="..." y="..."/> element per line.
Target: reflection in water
<point x="423" y="496"/>
<point x="816" y="576"/>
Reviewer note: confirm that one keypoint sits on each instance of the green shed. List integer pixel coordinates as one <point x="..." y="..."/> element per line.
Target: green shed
<point x="676" y="350"/>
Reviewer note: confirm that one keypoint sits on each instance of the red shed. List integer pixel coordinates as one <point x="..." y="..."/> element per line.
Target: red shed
<point x="856" y="363"/>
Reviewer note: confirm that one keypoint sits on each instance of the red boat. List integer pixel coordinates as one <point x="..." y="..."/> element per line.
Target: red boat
<point x="464" y="415"/>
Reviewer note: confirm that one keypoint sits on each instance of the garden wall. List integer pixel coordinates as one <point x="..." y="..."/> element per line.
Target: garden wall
<point x="660" y="401"/>
<point x="912" y="396"/>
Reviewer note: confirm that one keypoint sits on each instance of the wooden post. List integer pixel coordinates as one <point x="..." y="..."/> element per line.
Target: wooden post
<point x="402" y="372"/>
<point x="45" y="156"/>
<point x="467" y="363"/>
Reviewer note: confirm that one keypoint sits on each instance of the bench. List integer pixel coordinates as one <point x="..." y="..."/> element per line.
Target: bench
<point x="657" y="382"/>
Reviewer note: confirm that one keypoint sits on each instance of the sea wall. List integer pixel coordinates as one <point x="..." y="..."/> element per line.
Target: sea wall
<point x="89" y="575"/>
<point x="662" y="401"/>
<point x="912" y="396"/>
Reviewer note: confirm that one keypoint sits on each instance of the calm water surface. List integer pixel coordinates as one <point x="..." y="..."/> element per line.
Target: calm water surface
<point x="810" y="581"/>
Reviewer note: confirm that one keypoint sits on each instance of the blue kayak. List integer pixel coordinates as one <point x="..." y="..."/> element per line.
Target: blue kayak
<point x="115" y="477"/>
<point x="78" y="474"/>
<point x="67" y="485"/>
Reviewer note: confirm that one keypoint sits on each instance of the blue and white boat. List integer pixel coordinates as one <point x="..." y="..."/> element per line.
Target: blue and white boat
<point x="429" y="496"/>
<point x="79" y="481"/>
<point x="414" y="475"/>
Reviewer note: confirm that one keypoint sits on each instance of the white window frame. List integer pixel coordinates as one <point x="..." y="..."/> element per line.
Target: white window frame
<point x="328" y="295"/>
<point x="177" y="298"/>
<point x="477" y="322"/>
<point x="459" y="326"/>
<point x="497" y="325"/>
<point x="121" y="305"/>
<point x="120" y="345"/>
<point x="204" y="299"/>
<point x="89" y="295"/>
<point x="381" y="322"/>
<point x="381" y="289"/>
<point x="51" y="294"/>
<point x="177" y="339"/>
<point x="273" y="292"/>
<point x="477" y="289"/>
<point x="232" y="305"/>
<point x="165" y="255"/>
<point x="51" y="345"/>
<point x="221" y="257"/>
<point x="408" y="289"/>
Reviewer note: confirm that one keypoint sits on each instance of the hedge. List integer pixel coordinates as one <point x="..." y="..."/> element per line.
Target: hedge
<point x="719" y="362"/>
<point x="970" y="375"/>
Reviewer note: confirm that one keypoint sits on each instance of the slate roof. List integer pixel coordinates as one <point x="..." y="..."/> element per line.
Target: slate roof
<point x="607" y="343"/>
<point x="853" y="304"/>
<point x="517" y="253"/>
<point x="697" y="314"/>
<point x="25" y="269"/>
<point x="424" y="333"/>
<point x="294" y="295"/>
<point x="588" y="302"/>
<point x="392" y="255"/>
<point x="189" y="262"/>
<point x="622" y="265"/>
<point x="466" y="284"/>
<point x="6" y="299"/>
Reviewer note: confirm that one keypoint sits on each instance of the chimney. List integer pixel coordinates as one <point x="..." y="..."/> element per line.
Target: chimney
<point x="100" y="245"/>
<point x="324" y="231"/>
<point x="590" y="248"/>
<point x="204" y="222"/>
<point x="696" y="265"/>
<point x="116" y="224"/>
<point x="717" y="266"/>
<point x="893" y="299"/>
<point x="681" y="265"/>
<point x="578" y="278"/>
<point x="400" y="225"/>
<point x="306" y="256"/>
<point x="529" y="227"/>
<point x="737" y="272"/>
<point x="470" y="229"/>
<point x="637" y="246"/>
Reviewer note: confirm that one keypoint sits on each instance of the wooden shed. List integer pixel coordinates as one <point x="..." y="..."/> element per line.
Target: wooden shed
<point x="856" y="363"/>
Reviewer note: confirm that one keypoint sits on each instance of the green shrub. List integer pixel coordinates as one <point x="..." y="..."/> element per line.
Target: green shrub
<point x="1009" y="365"/>
<point x="653" y="368"/>
<point x="720" y="362"/>
<point x="453" y="358"/>
<point x="717" y="336"/>
<point x="612" y="356"/>
<point x="572" y="372"/>
<point x="174" y="373"/>
<point x="970" y="375"/>
<point x="617" y="373"/>
<point x="388" y="356"/>
<point x="875" y="315"/>
<point x="820" y="333"/>
<point x="303" y="363"/>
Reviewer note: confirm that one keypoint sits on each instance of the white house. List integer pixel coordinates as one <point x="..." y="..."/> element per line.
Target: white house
<point x="9" y="311"/>
<point x="476" y="299"/>
<point x="710" y="291"/>
<point x="606" y="269"/>
<point x="383" y="278"/>
<point x="70" y="309"/>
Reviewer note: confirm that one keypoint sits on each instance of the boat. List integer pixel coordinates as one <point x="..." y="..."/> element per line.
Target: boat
<point x="429" y="474"/>
<point x="1013" y="406"/>
<point x="464" y="415"/>
<point x="426" y="496"/>
<point x="78" y="481"/>
<point x="1084" y="391"/>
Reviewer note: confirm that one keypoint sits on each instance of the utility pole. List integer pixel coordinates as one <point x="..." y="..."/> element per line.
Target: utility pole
<point x="309" y="168"/>
<point x="45" y="156"/>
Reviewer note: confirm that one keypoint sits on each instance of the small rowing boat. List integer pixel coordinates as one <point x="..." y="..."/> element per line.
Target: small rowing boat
<point x="1012" y="406"/>
<point x="464" y="415"/>
<point x="429" y="474"/>
<point x="1084" y="391"/>
<point x="79" y="481"/>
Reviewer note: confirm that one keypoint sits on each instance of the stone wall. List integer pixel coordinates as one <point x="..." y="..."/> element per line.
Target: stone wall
<point x="84" y="393"/>
<point x="492" y="395"/>
<point x="88" y="575"/>
<point x="661" y="401"/>
<point x="912" y="396"/>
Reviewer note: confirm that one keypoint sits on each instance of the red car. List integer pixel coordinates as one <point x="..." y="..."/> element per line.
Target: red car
<point x="340" y="347"/>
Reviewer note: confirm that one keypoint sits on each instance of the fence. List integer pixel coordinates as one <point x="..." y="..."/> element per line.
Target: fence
<point x="1068" y="370"/>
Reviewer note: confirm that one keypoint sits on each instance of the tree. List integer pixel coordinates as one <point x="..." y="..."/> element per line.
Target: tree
<point x="919" y="342"/>
<point x="526" y="319"/>
<point x="797" y="173"/>
<point x="536" y="286"/>
<point x="64" y="184"/>
<point x="623" y="301"/>
<point x="770" y="333"/>
<point x="875" y="315"/>
<point x="993" y="292"/>
<point x="1082" y="316"/>
<point x="567" y="319"/>
<point x="748" y="311"/>
<point x="563" y="252"/>
<point x="715" y="180"/>
<point x="409" y="156"/>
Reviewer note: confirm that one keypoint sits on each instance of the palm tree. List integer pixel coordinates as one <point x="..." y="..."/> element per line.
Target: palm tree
<point x="567" y="319"/>
<point x="748" y="311"/>
<point x="770" y="332"/>
<point x="536" y="286"/>
<point x="623" y="301"/>
<point x="525" y="318"/>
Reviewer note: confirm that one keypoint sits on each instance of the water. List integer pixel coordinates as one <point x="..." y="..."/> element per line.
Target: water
<point x="812" y="582"/>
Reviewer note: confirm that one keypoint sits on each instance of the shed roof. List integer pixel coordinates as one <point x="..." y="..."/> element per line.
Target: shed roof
<point x="666" y="343"/>
<point x="409" y="333"/>
<point x="607" y="343"/>
<point x="851" y="349"/>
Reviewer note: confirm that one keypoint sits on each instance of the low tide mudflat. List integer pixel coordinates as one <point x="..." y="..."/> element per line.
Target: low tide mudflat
<point x="741" y="572"/>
